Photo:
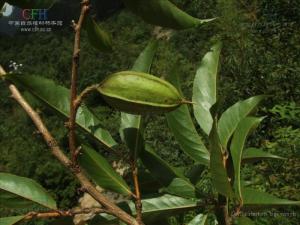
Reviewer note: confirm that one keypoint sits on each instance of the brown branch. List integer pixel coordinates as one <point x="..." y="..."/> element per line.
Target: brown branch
<point x="59" y="213"/>
<point x="138" y="201"/>
<point x="58" y="153"/>
<point x="75" y="64"/>
<point x="52" y="143"/>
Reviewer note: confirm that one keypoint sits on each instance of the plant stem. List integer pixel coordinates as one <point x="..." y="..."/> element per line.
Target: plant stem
<point x="60" y="213"/>
<point x="75" y="65"/>
<point x="138" y="201"/>
<point x="86" y="184"/>
<point x="83" y="94"/>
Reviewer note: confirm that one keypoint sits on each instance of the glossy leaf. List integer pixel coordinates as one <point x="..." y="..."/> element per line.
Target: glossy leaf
<point x="148" y="184"/>
<point x="32" y="4"/>
<point x="159" y="168"/>
<point x="134" y="141"/>
<point x="199" y="220"/>
<point x="11" y="220"/>
<point x="234" y="114"/>
<point x="164" y="206"/>
<point x="243" y="221"/>
<point x="167" y="175"/>
<point x="144" y="62"/>
<point x="97" y="37"/>
<point x="163" y="13"/>
<point x="101" y="172"/>
<point x="237" y="145"/>
<point x="205" y="88"/>
<point x="252" y="197"/>
<point x="154" y="209"/>
<point x="218" y="171"/>
<point x="58" y="98"/>
<point x="180" y="187"/>
<point x="12" y="201"/>
<point x="25" y="188"/>
<point x="195" y="173"/>
<point x="131" y="125"/>
<point x="181" y="125"/>
<point x="256" y="154"/>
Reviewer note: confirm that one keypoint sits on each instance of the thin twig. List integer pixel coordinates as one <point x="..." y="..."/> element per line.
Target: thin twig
<point x="75" y="64"/>
<point x="83" y="94"/>
<point x="58" y="153"/>
<point x="138" y="201"/>
<point x="60" y="213"/>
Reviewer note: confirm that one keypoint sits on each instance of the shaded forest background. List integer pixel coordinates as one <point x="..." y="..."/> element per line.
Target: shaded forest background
<point x="261" y="52"/>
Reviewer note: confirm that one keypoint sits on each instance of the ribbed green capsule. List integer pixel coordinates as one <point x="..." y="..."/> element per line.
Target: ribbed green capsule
<point x="140" y="93"/>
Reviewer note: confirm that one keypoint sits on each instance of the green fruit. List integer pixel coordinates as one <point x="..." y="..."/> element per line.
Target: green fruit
<point x="140" y="93"/>
<point x="163" y="13"/>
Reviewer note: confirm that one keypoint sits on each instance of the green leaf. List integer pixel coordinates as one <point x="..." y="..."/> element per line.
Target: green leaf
<point x="11" y="220"/>
<point x="167" y="175"/>
<point x="32" y="4"/>
<point x="199" y="220"/>
<point x="195" y="173"/>
<point x="243" y="221"/>
<point x="180" y="187"/>
<point x="256" y="154"/>
<point x="163" y="13"/>
<point x="148" y="184"/>
<point x="134" y="141"/>
<point x="101" y="172"/>
<point x="164" y="206"/>
<point x="12" y="201"/>
<point x="181" y="125"/>
<point x="243" y="129"/>
<point x="25" y="188"/>
<point x="205" y="88"/>
<point x="58" y="98"/>
<point x="144" y="62"/>
<point x="159" y="168"/>
<point x="154" y="209"/>
<point x="218" y="171"/>
<point x="97" y="37"/>
<point x="252" y="197"/>
<point x="234" y="114"/>
<point x="131" y="128"/>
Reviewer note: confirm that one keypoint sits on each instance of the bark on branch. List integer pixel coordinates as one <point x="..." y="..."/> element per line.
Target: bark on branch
<point x="75" y="65"/>
<point x="138" y="200"/>
<point x="87" y="185"/>
<point x="60" y="213"/>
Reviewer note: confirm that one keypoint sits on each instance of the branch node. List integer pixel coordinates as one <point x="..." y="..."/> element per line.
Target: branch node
<point x="67" y="124"/>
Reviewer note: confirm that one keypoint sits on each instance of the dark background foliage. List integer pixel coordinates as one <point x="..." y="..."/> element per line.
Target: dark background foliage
<point x="260" y="54"/>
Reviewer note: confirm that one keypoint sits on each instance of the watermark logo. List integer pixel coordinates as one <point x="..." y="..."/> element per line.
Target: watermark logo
<point x="35" y="14"/>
